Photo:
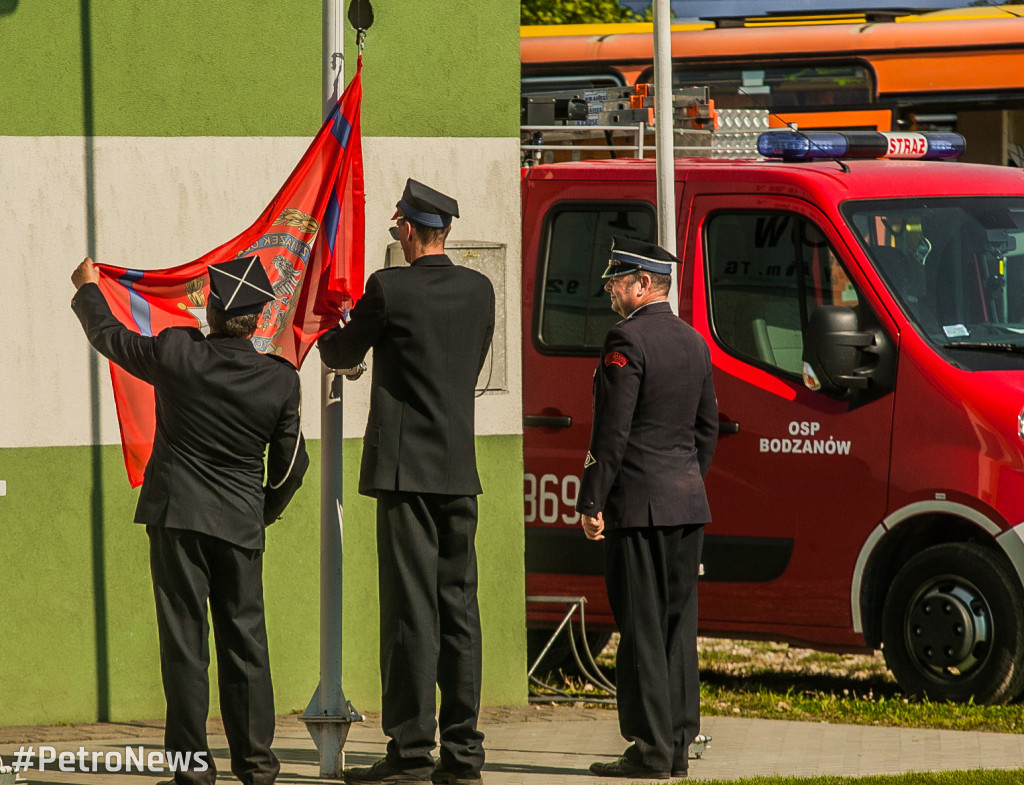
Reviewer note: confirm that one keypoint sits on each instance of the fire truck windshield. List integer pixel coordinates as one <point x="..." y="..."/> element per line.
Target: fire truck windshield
<point x="956" y="266"/>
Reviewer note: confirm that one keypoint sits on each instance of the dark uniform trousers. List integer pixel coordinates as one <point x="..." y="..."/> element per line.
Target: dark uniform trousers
<point x="190" y="569"/>
<point x="651" y="576"/>
<point x="207" y="495"/>
<point x="429" y="614"/>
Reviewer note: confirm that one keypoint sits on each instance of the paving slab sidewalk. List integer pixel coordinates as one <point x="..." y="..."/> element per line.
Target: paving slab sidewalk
<point x="549" y="745"/>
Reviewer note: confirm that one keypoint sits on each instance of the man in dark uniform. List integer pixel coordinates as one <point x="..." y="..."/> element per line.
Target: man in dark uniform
<point x="642" y="491"/>
<point x="430" y="326"/>
<point x="219" y="404"/>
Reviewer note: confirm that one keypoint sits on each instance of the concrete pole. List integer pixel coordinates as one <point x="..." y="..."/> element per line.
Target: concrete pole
<point x="663" y="136"/>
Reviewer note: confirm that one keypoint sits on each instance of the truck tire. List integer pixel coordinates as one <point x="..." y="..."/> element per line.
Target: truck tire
<point x="953" y="626"/>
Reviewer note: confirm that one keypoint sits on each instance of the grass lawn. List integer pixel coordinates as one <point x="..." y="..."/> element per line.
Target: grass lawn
<point x="777" y="681"/>
<point x="774" y="680"/>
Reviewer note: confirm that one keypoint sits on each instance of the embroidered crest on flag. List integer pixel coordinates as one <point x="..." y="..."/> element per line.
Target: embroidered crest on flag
<point x="292" y="216"/>
<point x="285" y="283"/>
<point x="196" y="293"/>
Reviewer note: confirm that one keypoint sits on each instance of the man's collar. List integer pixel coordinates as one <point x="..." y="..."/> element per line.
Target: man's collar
<point x="231" y="340"/>
<point x="646" y="308"/>
<point x="433" y="260"/>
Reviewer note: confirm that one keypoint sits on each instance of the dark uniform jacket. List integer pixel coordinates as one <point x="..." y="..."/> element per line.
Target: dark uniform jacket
<point x="219" y="403"/>
<point x="655" y="424"/>
<point x="430" y="325"/>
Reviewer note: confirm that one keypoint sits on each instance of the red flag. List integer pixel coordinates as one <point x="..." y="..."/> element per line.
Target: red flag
<point x="309" y="239"/>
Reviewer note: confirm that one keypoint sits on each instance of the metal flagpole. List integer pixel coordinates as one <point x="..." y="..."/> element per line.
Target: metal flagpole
<point x="663" y="137"/>
<point x="329" y="715"/>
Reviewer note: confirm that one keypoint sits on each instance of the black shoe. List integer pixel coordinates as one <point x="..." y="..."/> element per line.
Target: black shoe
<point x="624" y="767"/>
<point x="381" y="772"/>
<point x="697" y="748"/>
<point x="446" y="777"/>
<point x="678" y="774"/>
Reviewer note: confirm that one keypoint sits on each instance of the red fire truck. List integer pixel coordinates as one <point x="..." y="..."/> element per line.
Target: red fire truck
<point x="866" y="324"/>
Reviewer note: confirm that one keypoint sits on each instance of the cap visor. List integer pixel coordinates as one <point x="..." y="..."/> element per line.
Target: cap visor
<point x="617" y="269"/>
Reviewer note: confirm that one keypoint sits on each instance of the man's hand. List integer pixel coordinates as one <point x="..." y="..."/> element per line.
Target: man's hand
<point x="85" y="273"/>
<point x="593" y="527"/>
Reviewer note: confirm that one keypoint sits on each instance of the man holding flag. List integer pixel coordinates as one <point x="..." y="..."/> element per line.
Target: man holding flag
<point x="196" y="414"/>
<point x="219" y="405"/>
<point x="429" y="326"/>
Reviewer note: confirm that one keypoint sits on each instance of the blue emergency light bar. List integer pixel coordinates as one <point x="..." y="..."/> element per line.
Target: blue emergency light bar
<point x="801" y="145"/>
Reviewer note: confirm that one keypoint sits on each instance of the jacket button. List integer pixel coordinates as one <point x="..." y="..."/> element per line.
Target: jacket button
<point x="590" y="505"/>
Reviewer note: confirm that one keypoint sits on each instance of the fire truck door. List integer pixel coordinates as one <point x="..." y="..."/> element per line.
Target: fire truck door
<point x="799" y="478"/>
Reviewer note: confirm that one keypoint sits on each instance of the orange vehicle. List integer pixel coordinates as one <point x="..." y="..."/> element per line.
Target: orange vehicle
<point x="955" y="70"/>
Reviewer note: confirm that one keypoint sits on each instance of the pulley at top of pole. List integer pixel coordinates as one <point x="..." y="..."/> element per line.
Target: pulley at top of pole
<point x="360" y="16"/>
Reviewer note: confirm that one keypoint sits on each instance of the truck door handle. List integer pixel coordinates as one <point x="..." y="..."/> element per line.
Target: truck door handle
<point x="546" y="421"/>
<point x="728" y="427"/>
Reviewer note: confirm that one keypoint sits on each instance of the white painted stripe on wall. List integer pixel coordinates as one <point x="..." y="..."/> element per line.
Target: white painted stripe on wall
<point x="159" y="202"/>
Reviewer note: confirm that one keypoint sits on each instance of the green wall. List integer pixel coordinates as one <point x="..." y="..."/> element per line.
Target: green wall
<point x="252" y="68"/>
<point x="460" y="77"/>
<point x="77" y="626"/>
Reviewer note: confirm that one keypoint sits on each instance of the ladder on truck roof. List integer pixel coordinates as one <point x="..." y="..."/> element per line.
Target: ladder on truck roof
<point x="572" y="124"/>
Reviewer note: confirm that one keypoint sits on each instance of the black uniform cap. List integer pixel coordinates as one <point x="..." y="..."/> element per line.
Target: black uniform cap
<point x="423" y="205"/>
<point x="630" y="255"/>
<point x="240" y="286"/>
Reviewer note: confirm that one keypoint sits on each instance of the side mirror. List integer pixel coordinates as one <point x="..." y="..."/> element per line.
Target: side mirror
<point x="832" y="349"/>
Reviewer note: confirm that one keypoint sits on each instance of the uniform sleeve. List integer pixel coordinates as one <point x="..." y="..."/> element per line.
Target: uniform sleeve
<point x="345" y="347"/>
<point x="287" y="459"/>
<point x="705" y="427"/>
<point x="136" y="353"/>
<point x="490" y="329"/>
<point x="616" y="387"/>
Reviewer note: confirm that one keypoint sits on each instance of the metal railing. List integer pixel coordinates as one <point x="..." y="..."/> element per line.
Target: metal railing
<point x="603" y="691"/>
<point x="736" y="136"/>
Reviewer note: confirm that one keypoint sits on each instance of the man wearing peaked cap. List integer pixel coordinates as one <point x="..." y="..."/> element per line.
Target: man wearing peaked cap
<point x="429" y="326"/>
<point x="629" y="255"/>
<point x="219" y="405"/>
<point x="642" y="492"/>
<point x="422" y="205"/>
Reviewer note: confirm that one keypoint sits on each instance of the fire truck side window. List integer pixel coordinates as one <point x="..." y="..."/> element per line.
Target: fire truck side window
<point x="574" y="310"/>
<point x="768" y="271"/>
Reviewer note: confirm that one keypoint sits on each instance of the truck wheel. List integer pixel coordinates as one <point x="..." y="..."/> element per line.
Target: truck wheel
<point x="953" y="626"/>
